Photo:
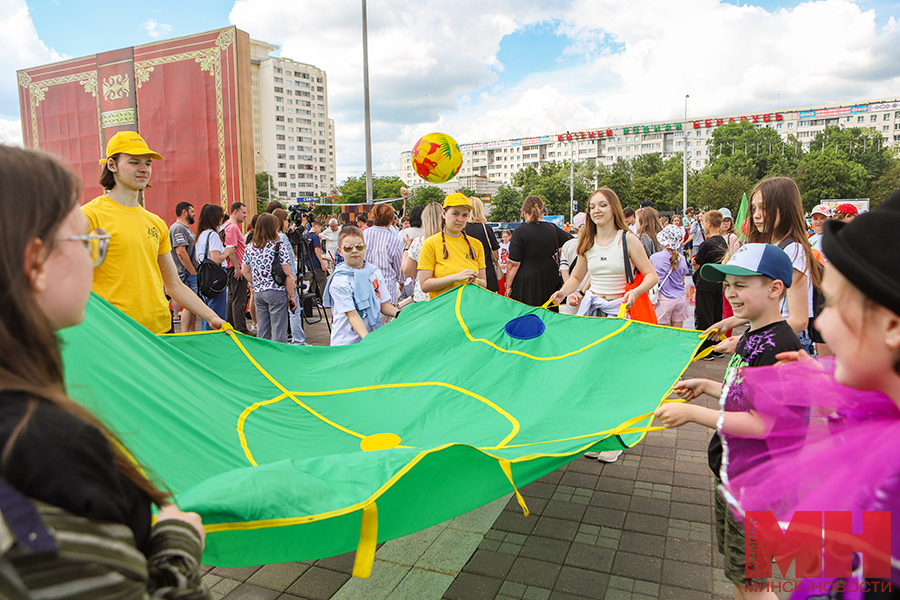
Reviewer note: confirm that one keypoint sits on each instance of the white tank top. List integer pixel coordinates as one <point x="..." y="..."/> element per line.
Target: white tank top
<point x="606" y="264"/>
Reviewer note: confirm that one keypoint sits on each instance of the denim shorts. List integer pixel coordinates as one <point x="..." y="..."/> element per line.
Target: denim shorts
<point x="806" y="342"/>
<point x="190" y="281"/>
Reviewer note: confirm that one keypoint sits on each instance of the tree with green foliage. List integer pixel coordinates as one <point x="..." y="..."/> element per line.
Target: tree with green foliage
<point x="823" y="176"/>
<point x="744" y="150"/>
<point x="722" y="191"/>
<point x="860" y="145"/>
<point x="467" y="192"/>
<point x="552" y="185"/>
<point x="507" y="204"/>
<point x="264" y="191"/>
<point x="425" y="195"/>
<point x="618" y="179"/>
<point x="353" y="190"/>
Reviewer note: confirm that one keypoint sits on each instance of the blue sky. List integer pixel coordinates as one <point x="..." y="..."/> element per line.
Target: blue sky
<point x="505" y="68"/>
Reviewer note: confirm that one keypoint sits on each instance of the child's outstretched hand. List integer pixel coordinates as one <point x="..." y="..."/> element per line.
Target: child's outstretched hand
<point x="674" y="414"/>
<point x="689" y="389"/>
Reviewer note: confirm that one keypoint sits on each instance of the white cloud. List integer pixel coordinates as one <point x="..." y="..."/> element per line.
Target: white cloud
<point x="11" y="132"/>
<point x="156" y="30"/>
<point x="435" y="69"/>
<point x="21" y="49"/>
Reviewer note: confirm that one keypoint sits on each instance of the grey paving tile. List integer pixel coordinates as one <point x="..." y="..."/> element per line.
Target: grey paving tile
<point x="610" y="500"/>
<point x="553" y="477"/>
<point x="660" y="464"/>
<point x="655" y="476"/>
<point x="489" y="545"/>
<point x="583" y="465"/>
<point x="620" y="583"/>
<point x="538" y="489"/>
<point x="701" y="482"/>
<point x="343" y="563"/>
<point x="695" y="468"/>
<point x="516" y="523"/>
<point x="318" y="584"/>
<point x="534" y="572"/>
<point x="278" y="577"/>
<point x="558" y="529"/>
<point x="223" y="588"/>
<point x="546" y="549"/>
<point x="581" y="582"/>
<point x="687" y="551"/>
<point x="513" y="589"/>
<point x="450" y="551"/>
<point x="676" y="593"/>
<point x="557" y="595"/>
<point x="591" y="558"/>
<point x="637" y="566"/>
<point x="467" y="586"/>
<point x="421" y="583"/>
<point x="535" y="593"/>
<point x="646" y="523"/>
<point x="584" y="480"/>
<point x="481" y="519"/>
<point x="384" y="578"/>
<point x="252" y="592"/>
<point x="702" y="497"/>
<point x="238" y="574"/>
<point x="595" y="515"/>
<point x="691" y="512"/>
<point x="687" y="575"/>
<point x="210" y="580"/>
<point x="615" y="485"/>
<point x="642" y="543"/>
<point x="289" y="597"/>
<point x="650" y="506"/>
<point x="564" y="510"/>
<point x="489" y="564"/>
<point x="621" y="472"/>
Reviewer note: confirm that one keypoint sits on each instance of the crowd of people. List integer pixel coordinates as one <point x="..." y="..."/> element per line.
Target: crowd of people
<point x="63" y="471"/>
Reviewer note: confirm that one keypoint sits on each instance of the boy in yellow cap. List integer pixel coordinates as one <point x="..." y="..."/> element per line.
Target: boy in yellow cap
<point x="451" y="258"/>
<point x="138" y="269"/>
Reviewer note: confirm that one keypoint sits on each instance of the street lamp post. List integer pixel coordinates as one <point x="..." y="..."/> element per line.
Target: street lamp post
<point x="365" y="44"/>
<point x="684" y="156"/>
<point x="268" y="183"/>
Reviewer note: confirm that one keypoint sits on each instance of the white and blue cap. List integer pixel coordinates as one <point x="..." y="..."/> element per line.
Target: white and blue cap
<point x="753" y="259"/>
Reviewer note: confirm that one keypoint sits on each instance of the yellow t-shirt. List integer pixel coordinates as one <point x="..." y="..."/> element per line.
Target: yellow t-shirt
<point x="130" y="278"/>
<point x="431" y="258"/>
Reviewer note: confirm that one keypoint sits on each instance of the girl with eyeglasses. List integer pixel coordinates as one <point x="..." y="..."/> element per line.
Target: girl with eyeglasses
<point x="83" y="500"/>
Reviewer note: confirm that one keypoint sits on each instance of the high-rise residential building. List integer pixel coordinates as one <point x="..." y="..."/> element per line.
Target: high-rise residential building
<point x="292" y="134"/>
<point x="499" y="160"/>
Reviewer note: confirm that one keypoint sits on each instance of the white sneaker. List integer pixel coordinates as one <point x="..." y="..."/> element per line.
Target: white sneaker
<point x="592" y="455"/>
<point x="610" y="456"/>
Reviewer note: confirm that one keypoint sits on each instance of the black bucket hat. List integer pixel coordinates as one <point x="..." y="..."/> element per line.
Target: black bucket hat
<point x="867" y="253"/>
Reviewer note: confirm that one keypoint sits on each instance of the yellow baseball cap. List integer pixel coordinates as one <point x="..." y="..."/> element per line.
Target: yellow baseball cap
<point x="130" y="143"/>
<point x="457" y="199"/>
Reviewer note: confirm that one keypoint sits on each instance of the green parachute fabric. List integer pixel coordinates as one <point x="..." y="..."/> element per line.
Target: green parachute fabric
<point x="297" y="453"/>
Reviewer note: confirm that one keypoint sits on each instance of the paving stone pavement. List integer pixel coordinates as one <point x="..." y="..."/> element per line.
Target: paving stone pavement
<point x="641" y="528"/>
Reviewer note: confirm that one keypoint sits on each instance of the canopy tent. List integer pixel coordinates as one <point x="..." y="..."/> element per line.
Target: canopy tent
<point x="296" y="453"/>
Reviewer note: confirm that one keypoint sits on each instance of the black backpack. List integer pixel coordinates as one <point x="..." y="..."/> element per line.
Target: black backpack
<point x="211" y="277"/>
<point x="278" y="274"/>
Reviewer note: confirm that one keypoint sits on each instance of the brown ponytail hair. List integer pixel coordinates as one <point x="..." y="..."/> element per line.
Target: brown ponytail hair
<point x="533" y="207"/>
<point x="37" y="194"/>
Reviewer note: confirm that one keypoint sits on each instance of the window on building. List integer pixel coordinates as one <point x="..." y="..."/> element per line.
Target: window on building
<point x="279" y="99"/>
<point x="279" y="146"/>
<point x="790" y="125"/>
<point x="887" y="117"/>
<point x="884" y="128"/>
<point x="279" y="118"/>
<point x="860" y="119"/>
<point x="279" y="90"/>
<point x="873" y="117"/>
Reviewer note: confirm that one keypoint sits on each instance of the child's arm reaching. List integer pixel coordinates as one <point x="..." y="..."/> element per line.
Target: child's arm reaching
<point x="389" y="310"/>
<point x="357" y="323"/>
<point x="741" y="424"/>
<point x="691" y="389"/>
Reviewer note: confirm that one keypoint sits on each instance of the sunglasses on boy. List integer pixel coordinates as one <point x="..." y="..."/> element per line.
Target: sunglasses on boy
<point x="349" y="247"/>
<point x="96" y="243"/>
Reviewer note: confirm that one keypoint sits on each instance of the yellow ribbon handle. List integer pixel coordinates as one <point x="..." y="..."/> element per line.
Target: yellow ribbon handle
<point x="507" y="469"/>
<point x="622" y="310"/>
<point x="549" y="303"/>
<point x="368" y="538"/>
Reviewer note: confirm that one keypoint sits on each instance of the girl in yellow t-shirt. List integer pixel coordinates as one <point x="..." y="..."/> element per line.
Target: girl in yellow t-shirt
<point x="450" y="257"/>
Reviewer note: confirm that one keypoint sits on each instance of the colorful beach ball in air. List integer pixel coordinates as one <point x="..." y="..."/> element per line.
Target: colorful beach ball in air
<point x="436" y="157"/>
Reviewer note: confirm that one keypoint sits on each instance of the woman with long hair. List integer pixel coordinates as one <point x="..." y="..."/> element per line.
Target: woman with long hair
<point x="451" y="258"/>
<point x="532" y="272"/>
<point x="210" y="244"/>
<point x="478" y="228"/>
<point x="432" y="224"/>
<point x="59" y="463"/>
<point x="647" y="230"/>
<point x="273" y="299"/>
<point x="601" y="252"/>
<point x="295" y="315"/>
<point x="777" y="212"/>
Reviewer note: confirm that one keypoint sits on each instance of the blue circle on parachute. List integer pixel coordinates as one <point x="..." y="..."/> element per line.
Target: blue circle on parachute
<point x="526" y="327"/>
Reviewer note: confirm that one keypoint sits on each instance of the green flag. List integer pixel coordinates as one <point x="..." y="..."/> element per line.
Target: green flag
<point x="741" y="220"/>
<point x="296" y="453"/>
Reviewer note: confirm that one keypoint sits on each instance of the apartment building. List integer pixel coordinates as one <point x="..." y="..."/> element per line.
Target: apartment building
<point x="499" y="160"/>
<point x="293" y="136"/>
